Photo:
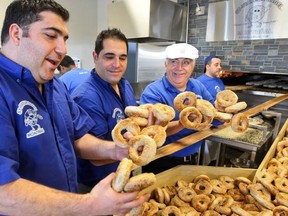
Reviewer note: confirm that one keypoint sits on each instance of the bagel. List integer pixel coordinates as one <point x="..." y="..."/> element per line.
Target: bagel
<point x="202" y="176"/>
<point x="122" y="174"/>
<point x="185" y="99"/>
<point x="223" y="117"/>
<point x="142" y="122"/>
<point x="239" y="122"/>
<point x="282" y="199"/>
<point x="186" y="194"/>
<point x="226" y="98"/>
<point x="140" y="182"/>
<point x="156" y="132"/>
<point x="218" y="107"/>
<point x="148" y="152"/>
<point x="205" y="124"/>
<point x="235" y="108"/>
<point x="261" y="194"/>
<point x="190" y="117"/>
<point x="282" y="184"/>
<point x="203" y="187"/>
<point x="280" y="211"/>
<point x="227" y="181"/>
<point x="163" y="112"/>
<point x="206" y="108"/>
<point x="201" y="202"/>
<point x="218" y="186"/>
<point x="124" y="125"/>
<point x="210" y="213"/>
<point x="136" y="111"/>
<point x="239" y="211"/>
<point x="171" y="210"/>
<point x="159" y="195"/>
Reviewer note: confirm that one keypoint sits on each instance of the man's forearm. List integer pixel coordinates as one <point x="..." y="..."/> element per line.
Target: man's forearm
<point x="23" y="197"/>
<point x="92" y="148"/>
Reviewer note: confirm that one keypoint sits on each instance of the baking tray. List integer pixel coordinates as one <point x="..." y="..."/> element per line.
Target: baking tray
<point x="271" y="152"/>
<point x="189" y="172"/>
<point x="245" y="145"/>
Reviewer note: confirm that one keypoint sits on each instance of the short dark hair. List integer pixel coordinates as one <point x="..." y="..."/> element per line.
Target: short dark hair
<point x="66" y="62"/>
<point x="109" y="33"/>
<point x="208" y="61"/>
<point x="25" y="12"/>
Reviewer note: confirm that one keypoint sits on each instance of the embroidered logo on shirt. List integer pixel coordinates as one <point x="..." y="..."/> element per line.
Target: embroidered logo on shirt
<point x="31" y="118"/>
<point x="217" y="88"/>
<point x="118" y="114"/>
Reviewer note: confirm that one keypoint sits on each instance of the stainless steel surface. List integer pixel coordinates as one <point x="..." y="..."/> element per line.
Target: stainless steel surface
<point x="246" y="20"/>
<point x="145" y="62"/>
<point x="149" y="19"/>
<point x="269" y="132"/>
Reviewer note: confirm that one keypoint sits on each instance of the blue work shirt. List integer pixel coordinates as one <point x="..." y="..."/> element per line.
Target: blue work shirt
<point x="37" y="131"/>
<point x="162" y="91"/>
<point x="106" y="108"/>
<point x="213" y="85"/>
<point x="73" y="78"/>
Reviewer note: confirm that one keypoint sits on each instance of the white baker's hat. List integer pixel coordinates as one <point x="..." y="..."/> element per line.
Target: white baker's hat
<point x="181" y="50"/>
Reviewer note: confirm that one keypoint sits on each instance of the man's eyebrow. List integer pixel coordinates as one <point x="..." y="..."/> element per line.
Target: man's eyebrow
<point x="109" y="54"/>
<point x="57" y="30"/>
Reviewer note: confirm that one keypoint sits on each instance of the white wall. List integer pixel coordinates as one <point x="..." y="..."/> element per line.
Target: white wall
<point x="87" y="19"/>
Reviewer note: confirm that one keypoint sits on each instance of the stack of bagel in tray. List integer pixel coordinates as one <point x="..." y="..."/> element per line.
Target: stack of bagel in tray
<point x="198" y="114"/>
<point x="220" y="196"/>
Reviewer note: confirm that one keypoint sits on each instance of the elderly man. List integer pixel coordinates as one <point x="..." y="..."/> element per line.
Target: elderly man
<point x="179" y="64"/>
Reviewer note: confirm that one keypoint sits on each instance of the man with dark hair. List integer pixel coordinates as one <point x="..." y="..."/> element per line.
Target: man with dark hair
<point x="71" y="75"/>
<point x="41" y="127"/>
<point x="210" y="77"/>
<point x="65" y="65"/>
<point x="212" y="82"/>
<point x="104" y="95"/>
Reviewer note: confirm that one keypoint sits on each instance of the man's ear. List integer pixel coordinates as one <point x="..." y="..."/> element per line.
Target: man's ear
<point x="95" y="55"/>
<point x="15" y="33"/>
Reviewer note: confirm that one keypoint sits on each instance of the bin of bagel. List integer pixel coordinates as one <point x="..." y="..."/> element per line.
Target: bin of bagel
<point x="207" y="190"/>
<point x="201" y="190"/>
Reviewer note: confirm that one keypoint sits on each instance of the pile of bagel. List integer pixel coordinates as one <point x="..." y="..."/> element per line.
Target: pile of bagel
<point x="198" y="114"/>
<point x="203" y="196"/>
<point x="272" y="181"/>
<point x="142" y="146"/>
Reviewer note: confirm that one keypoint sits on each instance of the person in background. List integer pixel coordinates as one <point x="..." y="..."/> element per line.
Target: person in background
<point x="66" y="65"/>
<point x="104" y="95"/>
<point x="71" y="75"/>
<point x="210" y="77"/>
<point x="42" y="128"/>
<point x="179" y="64"/>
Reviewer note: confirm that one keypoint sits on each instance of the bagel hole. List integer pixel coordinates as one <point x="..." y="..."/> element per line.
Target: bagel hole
<point x="201" y="187"/>
<point x="192" y="117"/>
<point x="186" y="101"/>
<point x="140" y="150"/>
<point x="124" y="131"/>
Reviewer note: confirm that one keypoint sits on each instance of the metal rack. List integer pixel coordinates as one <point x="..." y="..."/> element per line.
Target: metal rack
<point x="246" y="146"/>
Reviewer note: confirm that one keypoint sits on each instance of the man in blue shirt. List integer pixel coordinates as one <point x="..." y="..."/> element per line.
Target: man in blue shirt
<point x="70" y="74"/>
<point x="179" y="64"/>
<point x="104" y="95"/>
<point x="210" y="77"/>
<point x="41" y="127"/>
